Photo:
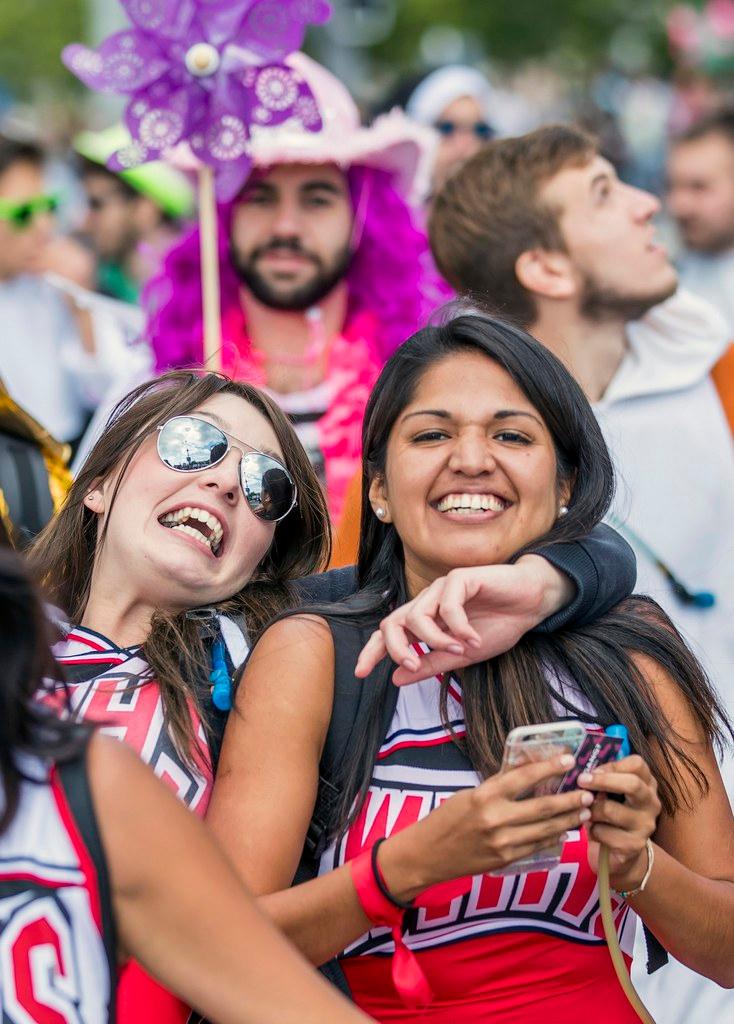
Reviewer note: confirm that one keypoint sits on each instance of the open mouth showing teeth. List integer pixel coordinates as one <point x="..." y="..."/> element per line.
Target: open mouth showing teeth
<point x="197" y="523"/>
<point x="468" y="503"/>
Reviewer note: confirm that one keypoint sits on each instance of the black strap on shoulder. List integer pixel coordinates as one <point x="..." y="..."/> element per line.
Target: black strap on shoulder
<point x="353" y="700"/>
<point x="24" y="484"/>
<point x="216" y="720"/>
<point x="74" y="781"/>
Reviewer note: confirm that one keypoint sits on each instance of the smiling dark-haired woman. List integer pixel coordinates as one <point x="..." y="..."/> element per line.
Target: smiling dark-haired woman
<point x="478" y="445"/>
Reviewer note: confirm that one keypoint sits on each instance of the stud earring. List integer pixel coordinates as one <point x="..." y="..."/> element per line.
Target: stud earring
<point x="380" y="513"/>
<point x="563" y="510"/>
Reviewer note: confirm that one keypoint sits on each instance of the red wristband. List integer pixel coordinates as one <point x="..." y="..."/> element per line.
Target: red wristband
<point x="407" y="974"/>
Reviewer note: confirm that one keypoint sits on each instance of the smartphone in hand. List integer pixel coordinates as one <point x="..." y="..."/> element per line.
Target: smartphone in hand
<point x="530" y="743"/>
<point x="590" y="747"/>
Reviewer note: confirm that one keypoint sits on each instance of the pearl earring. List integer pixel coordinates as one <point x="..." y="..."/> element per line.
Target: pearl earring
<point x="563" y="510"/>
<point x="380" y="513"/>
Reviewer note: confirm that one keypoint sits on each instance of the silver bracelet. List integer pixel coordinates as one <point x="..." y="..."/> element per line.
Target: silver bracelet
<point x="641" y="887"/>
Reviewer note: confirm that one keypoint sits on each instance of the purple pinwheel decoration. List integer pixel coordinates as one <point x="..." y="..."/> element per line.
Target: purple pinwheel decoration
<point x="203" y="72"/>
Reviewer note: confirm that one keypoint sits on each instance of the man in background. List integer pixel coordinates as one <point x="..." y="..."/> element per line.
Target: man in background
<point x="132" y="217"/>
<point x="60" y="346"/>
<point x="325" y="271"/>
<point x="701" y="199"/>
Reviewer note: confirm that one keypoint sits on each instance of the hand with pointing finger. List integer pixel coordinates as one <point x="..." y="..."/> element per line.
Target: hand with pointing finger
<point x="465" y="617"/>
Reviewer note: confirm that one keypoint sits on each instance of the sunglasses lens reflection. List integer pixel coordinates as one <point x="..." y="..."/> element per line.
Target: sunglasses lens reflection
<point x="191" y="444"/>
<point x="268" y="487"/>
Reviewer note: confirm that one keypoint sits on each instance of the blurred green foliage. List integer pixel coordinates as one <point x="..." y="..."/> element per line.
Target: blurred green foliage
<point x="512" y="30"/>
<point x="32" y="35"/>
<point x="33" y="32"/>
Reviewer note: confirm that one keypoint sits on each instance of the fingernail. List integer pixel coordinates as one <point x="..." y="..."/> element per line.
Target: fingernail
<point x="455" y="648"/>
<point x="411" y="664"/>
<point x="567" y="761"/>
<point x="584" y="815"/>
<point x="475" y="641"/>
<point x="586" y="777"/>
<point x="587" y="798"/>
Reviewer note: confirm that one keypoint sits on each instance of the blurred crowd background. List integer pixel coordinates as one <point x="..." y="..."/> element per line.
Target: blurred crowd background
<point x="636" y="75"/>
<point x="632" y="72"/>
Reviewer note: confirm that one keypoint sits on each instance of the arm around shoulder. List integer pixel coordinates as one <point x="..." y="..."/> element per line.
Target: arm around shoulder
<point x="604" y="570"/>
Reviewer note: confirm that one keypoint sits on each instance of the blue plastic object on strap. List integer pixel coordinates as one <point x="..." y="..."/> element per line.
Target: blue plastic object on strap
<point x="620" y="730"/>
<point x="219" y="677"/>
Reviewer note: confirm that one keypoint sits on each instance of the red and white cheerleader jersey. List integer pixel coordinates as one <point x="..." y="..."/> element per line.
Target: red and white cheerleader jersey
<point x="57" y="946"/>
<point x="517" y="949"/>
<point x="113" y="686"/>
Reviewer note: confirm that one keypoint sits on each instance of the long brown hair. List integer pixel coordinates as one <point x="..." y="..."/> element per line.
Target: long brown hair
<point x="63" y="555"/>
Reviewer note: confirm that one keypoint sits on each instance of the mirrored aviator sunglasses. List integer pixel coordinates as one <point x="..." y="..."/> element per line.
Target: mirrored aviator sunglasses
<point x="188" y="444"/>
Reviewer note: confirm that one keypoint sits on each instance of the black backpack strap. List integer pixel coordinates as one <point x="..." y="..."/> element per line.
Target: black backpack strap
<point x="74" y="781"/>
<point x="216" y="719"/>
<point x="353" y="699"/>
<point x="24" y="484"/>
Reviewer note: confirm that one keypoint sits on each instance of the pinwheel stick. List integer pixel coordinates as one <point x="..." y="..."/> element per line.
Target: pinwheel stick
<point x="210" y="269"/>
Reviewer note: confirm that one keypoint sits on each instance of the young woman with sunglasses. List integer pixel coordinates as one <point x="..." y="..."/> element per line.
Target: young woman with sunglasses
<point x="92" y="871"/>
<point x="477" y="444"/>
<point x="182" y="522"/>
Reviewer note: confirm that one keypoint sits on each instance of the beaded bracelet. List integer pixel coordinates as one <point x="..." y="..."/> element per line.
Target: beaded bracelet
<point x="625" y="894"/>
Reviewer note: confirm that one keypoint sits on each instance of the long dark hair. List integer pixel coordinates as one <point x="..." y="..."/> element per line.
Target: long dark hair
<point x="25" y="654"/>
<point x="63" y="555"/>
<point x="599" y="659"/>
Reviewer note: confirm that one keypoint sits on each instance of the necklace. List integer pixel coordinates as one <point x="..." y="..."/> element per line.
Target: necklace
<point x="309" y="358"/>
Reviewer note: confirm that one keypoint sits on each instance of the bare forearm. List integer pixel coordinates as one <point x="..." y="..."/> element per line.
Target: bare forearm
<point x="323" y="916"/>
<point x="253" y="975"/>
<point x="692" y="916"/>
<point x="557" y="590"/>
<point x="320" y="917"/>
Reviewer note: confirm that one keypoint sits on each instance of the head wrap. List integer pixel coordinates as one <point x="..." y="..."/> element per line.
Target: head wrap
<point x="441" y="87"/>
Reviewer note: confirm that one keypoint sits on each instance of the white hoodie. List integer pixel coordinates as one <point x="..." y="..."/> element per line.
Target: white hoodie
<point x="674" y="456"/>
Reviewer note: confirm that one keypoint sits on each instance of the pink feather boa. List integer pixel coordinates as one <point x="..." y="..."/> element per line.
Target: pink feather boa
<point x="353" y="365"/>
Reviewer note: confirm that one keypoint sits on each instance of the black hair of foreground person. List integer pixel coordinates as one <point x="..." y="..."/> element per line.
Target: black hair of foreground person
<point x="512" y="689"/>
<point x="25" y="725"/>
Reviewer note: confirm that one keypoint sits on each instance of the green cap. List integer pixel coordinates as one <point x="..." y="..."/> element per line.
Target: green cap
<point x="167" y="187"/>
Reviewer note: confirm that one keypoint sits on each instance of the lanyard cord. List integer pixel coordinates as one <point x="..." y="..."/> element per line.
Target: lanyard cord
<point x="698" y="599"/>
<point x="610" y="933"/>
